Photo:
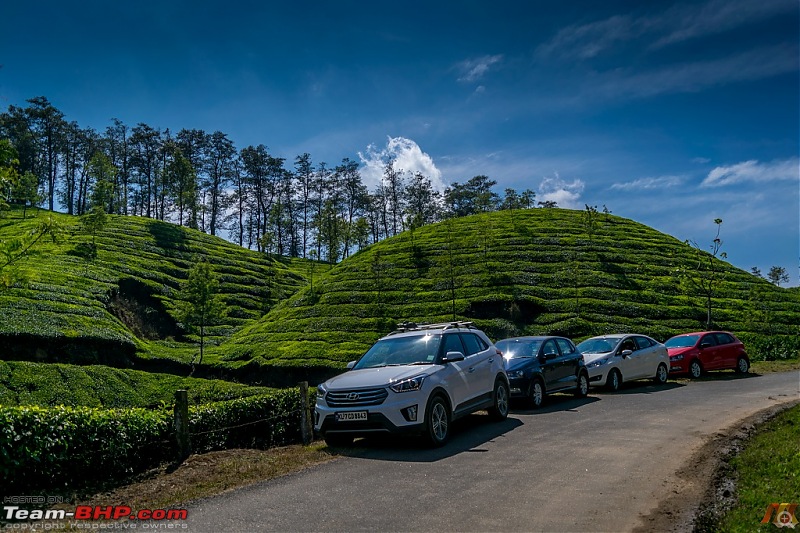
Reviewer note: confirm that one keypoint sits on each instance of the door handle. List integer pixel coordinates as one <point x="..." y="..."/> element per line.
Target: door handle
<point x="471" y="369"/>
<point x="491" y="359"/>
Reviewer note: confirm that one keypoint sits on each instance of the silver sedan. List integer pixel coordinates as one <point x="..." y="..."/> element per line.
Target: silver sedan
<point x="614" y="359"/>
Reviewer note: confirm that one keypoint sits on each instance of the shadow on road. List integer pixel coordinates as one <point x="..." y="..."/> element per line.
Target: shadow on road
<point x="641" y="387"/>
<point x="722" y="376"/>
<point x="469" y="434"/>
<point x="553" y="403"/>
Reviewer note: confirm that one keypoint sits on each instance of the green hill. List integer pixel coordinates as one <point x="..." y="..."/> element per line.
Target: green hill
<point x="517" y="272"/>
<point x="120" y="309"/>
<point x="535" y="271"/>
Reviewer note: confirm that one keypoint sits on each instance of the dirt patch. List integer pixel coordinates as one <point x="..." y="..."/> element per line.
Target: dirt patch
<point x="707" y="486"/>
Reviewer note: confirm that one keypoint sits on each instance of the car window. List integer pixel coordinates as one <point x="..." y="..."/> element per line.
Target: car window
<point x="401" y="351"/>
<point x="550" y="347"/>
<point x="681" y="341"/>
<point x="513" y="348"/>
<point x="566" y="347"/>
<point x="597" y="345"/>
<point x="643" y="342"/>
<point x="723" y="338"/>
<point x="472" y="343"/>
<point x="708" y="340"/>
<point x="452" y="343"/>
<point x="628" y="344"/>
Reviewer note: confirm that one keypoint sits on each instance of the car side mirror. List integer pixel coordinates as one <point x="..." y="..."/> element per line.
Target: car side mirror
<point x="453" y="357"/>
<point x="626" y="353"/>
<point x="550" y="355"/>
<point x="350" y="365"/>
<point x="705" y="344"/>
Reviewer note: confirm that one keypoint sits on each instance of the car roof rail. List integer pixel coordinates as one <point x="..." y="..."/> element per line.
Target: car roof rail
<point x="403" y="327"/>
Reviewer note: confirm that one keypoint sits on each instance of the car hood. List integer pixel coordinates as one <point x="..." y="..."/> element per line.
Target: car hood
<point x="590" y="357"/>
<point x="376" y="377"/>
<point x="679" y="351"/>
<point x="518" y="363"/>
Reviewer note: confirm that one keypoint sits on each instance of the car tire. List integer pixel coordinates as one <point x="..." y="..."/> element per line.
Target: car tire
<point x="338" y="439"/>
<point x="582" y="390"/>
<point x="662" y="374"/>
<point x="695" y="369"/>
<point x="499" y="410"/>
<point x="536" y="394"/>
<point x="614" y="380"/>
<point x="742" y="366"/>
<point x="437" y="421"/>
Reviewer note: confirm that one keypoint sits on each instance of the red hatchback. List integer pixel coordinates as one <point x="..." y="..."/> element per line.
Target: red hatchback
<point x="695" y="353"/>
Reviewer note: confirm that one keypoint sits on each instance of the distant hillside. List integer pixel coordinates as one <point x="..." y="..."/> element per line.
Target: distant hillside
<point x="121" y="306"/>
<point x="535" y="271"/>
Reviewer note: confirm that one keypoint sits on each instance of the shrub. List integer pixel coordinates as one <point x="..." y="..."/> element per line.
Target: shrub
<point x="58" y="447"/>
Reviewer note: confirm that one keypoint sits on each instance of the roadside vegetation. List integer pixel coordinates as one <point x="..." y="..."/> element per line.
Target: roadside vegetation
<point x="767" y="471"/>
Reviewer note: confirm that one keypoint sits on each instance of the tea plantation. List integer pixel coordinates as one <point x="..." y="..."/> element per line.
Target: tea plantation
<point x="537" y="271"/>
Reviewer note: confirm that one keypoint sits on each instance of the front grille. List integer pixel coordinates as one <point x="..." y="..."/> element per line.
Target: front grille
<point x="356" y="398"/>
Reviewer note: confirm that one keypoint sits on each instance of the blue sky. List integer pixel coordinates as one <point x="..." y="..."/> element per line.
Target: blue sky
<point x="669" y="113"/>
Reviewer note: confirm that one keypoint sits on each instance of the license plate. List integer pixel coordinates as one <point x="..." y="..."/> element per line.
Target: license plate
<point x="350" y="416"/>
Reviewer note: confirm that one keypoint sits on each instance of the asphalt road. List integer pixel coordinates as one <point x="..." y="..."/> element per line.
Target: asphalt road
<point x="596" y="464"/>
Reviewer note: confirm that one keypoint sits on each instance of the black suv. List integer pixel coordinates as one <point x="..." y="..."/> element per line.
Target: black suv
<point x="537" y="366"/>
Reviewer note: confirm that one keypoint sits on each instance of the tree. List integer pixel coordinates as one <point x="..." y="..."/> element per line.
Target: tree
<point x="705" y="276"/>
<point x="473" y="197"/>
<point x="200" y="304"/>
<point x="756" y="272"/>
<point x="590" y="220"/>
<point x="777" y="275"/>
<point x="47" y="124"/>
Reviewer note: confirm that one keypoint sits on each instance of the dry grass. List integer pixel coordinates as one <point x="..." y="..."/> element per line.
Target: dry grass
<point x="212" y="473"/>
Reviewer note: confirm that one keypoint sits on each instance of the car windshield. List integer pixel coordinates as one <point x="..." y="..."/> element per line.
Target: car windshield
<point x="417" y="349"/>
<point x="684" y="341"/>
<point x="598" y="345"/>
<point x="515" y="348"/>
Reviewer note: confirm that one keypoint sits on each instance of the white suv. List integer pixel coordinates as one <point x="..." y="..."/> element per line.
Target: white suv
<point x="417" y="379"/>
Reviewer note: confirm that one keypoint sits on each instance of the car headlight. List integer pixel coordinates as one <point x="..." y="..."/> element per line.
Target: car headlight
<point x="515" y="374"/>
<point x="321" y="392"/>
<point x="677" y="357"/>
<point x="595" y="364"/>
<point x="408" y="385"/>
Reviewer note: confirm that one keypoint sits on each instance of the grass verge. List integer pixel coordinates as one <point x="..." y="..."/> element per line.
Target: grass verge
<point x="209" y="474"/>
<point x="767" y="471"/>
<point x="768" y="367"/>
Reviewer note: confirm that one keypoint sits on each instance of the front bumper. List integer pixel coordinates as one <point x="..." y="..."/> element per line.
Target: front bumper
<point x="390" y="416"/>
<point x="519" y="387"/>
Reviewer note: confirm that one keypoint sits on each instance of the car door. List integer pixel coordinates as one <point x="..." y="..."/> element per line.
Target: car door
<point x="550" y="364"/>
<point x="647" y="357"/>
<point x="480" y="358"/>
<point x="459" y="371"/>
<point x="709" y="352"/>
<point x="571" y="360"/>
<point x="727" y="352"/>
<point x="629" y="364"/>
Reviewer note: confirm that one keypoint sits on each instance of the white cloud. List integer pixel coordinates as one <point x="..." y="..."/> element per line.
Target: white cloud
<point x="474" y="69"/>
<point x="753" y="171"/>
<point x="660" y="182"/>
<point x="408" y="157"/>
<point x="557" y="190"/>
